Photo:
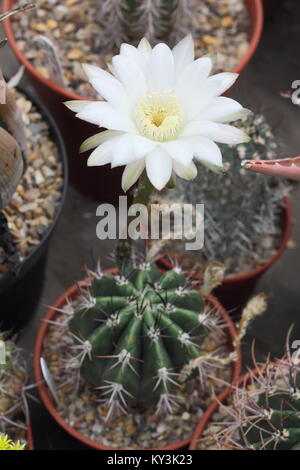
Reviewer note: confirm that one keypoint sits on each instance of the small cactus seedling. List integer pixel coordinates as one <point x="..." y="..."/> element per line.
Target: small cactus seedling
<point x="136" y="331"/>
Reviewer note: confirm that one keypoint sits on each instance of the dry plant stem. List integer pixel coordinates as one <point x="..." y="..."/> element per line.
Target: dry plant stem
<point x="15" y="10"/>
<point x="255" y="307"/>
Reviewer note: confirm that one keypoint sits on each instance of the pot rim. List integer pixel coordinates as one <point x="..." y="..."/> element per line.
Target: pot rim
<point x="43" y="390"/>
<point x="56" y="136"/>
<point x="286" y="234"/>
<point x="255" y="11"/>
<point x="204" y="421"/>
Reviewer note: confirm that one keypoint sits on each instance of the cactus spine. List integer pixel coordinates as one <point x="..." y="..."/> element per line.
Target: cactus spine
<point x="272" y="421"/>
<point x="265" y="410"/>
<point x="137" y="330"/>
<point x="13" y="377"/>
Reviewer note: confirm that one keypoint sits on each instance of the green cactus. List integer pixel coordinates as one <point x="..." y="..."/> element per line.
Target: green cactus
<point x="131" y="20"/>
<point x="137" y="331"/>
<point x="152" y="18"/>
<point x="277" y="418"/>
<point x="13" y="377"/>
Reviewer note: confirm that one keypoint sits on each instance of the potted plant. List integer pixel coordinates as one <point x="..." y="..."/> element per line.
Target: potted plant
<point x="102" y="341"/>
<point x="135" y="338"/>
<point x="91" y="31"/>
<point x="14" y="415"/>
<point x="259" y="413"/>
<point x="247" y="230"/>
<point x="33" y="180"/>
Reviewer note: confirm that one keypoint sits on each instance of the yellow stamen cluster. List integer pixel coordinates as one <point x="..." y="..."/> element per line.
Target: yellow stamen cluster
<point x="159" y="116"/>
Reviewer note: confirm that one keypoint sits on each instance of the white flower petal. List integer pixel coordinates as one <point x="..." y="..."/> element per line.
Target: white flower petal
<point x="179" y="150"/>
<point x="222" y="109"/>
<point x="132" y="173"/>
<point x="144" y="47"/>
<point x="225" y="79"/>
<point x="122" y="153"/>
<point x="161" y="69"/>
<point x="192" y="76"/>
<point x="194" y="100"/>
<point x="105" y="115"/>
<point x="159" y="167"/>
<point x="205" y="150"/>
<point x="97" y="139"/>
<point x="184" y="53"/>
<point x="131" y="76"/>
<point x="142" y="146"/>
<point x="222" y="133"/>
<point x="189" y="125"/>
<point x="138" y="55"/>
<point x="107" y="86"/>
<point x="186" y="172"/>
<point x="102" y="154"/>
<point x="76" y="105"/>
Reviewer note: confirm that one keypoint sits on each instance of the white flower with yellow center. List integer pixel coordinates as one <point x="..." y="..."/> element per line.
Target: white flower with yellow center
<point x="162" y="109"/>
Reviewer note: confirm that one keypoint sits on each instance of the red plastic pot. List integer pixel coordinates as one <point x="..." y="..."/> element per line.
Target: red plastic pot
<point x="236" y="290"/>
<point x="213" y="408"/>
<point x="101" y="183"/>
<point x="46" y="397"/>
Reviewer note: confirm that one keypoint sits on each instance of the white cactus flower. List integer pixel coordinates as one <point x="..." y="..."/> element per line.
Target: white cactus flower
<point x="162" y="109"/>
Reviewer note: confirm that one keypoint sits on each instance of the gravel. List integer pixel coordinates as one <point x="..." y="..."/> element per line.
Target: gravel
<point x="80" y="403"/>
<point x="34" y="205"/>
<point x="220" y="26"/>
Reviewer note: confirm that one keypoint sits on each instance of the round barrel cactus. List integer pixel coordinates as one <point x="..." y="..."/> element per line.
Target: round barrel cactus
<point x="276" y="423"/>
<point x="139" y="329"/>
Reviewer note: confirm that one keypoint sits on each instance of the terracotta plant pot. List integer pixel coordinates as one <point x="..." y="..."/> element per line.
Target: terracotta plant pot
<point x="236" y="290"/>
<point x="46" y="397"/>
<point x="221" y="398"/>
<point x="101" y="183"/>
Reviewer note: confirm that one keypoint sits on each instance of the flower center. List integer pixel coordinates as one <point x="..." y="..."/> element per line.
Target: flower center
<point x="159" y="116"/>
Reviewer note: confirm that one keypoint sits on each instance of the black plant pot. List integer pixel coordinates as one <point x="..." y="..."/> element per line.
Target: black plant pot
<point x="19" y="295"/>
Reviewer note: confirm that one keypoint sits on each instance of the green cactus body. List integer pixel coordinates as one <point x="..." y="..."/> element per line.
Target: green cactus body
<point x="280" y="429"/>
<point x="150" y="18"/>
<point x="140" y="329"/>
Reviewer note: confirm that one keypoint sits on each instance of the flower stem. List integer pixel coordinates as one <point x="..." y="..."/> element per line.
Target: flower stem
<point x="124" y="244"/>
